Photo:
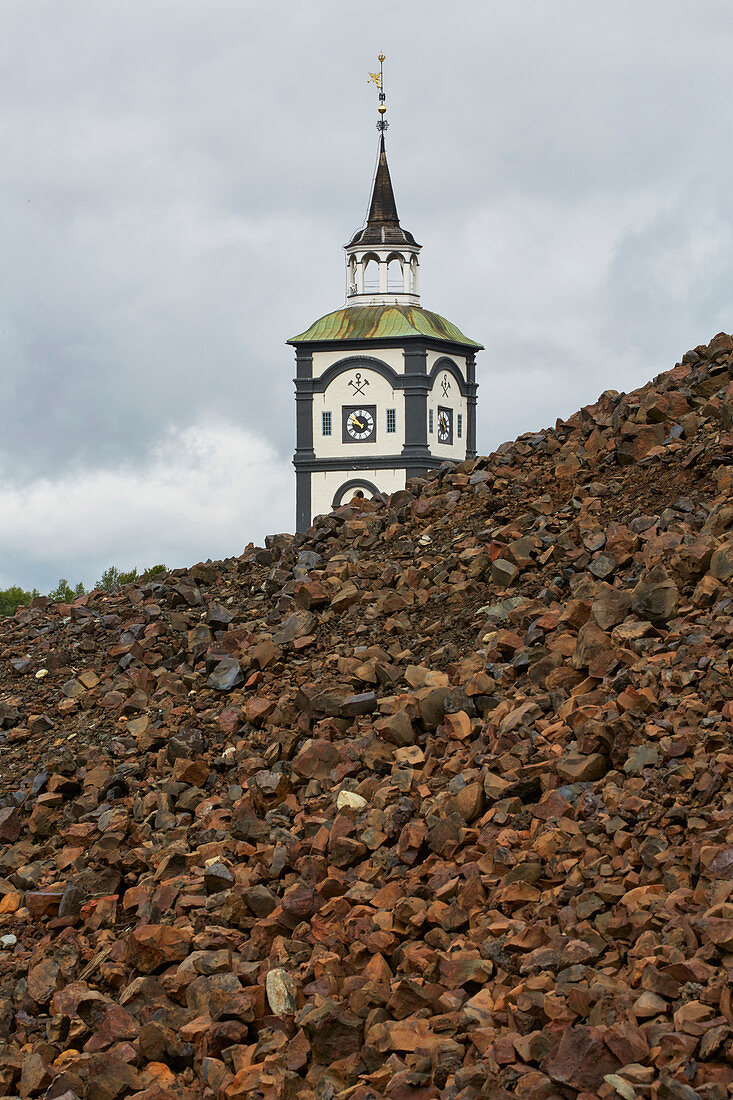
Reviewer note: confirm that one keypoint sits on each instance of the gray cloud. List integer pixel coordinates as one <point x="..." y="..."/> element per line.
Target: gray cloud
<point x="178" y="180"/>
<point x="203" y="492"/>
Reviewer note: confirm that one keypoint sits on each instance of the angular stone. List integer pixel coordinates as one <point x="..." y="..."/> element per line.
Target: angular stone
<point x="10" y="824"/>
<point x="594" y="650"/>
<point x="217" y="877"/>
<point x="42" y="981"/>
<point x="610" y="606"/>
<point x="582" y="1060"/>
<point x="503" y="572"/>
<point x="214" y="995"/>
<point x="341" y="703"/>
<point x="579" y="768"/>
<point x="396" y="728"/>
<point x="36" y="1075"/>
<point x="348" y="800"/>
<point x="346" y="597"/>
<point x="333" y="1032"/>
<point x="316" y="759"/>
<point x="294" y="626"/>
<point x="226" y="675"/>
<point x="156" y="945"/>
<point x="721" y="564"/>
<point x="655" y="597"/>
<point x="281" y="994"/>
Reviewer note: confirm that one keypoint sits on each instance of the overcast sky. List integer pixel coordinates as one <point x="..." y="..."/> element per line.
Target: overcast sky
<point x="177" y="180"/>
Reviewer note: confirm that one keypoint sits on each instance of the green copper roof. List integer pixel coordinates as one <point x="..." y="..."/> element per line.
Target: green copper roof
<point x="382" y="322"/>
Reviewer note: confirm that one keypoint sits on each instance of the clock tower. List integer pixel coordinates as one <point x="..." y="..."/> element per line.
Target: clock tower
<point x="385" y="390"/>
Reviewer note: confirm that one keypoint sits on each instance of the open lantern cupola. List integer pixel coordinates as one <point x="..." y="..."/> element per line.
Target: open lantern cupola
<point x="382" y="257"/>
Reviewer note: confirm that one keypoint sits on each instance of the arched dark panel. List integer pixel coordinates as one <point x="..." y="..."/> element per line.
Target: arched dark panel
<point x="444" y="363"/>
<point x="351" y="362"/>
<point x="350" y="487"/>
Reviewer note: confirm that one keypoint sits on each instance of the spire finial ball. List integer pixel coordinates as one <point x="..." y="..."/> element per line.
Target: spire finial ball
<point x="380" y="57"/>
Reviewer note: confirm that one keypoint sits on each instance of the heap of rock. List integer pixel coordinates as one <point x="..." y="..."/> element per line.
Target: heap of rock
<point x="433" y="801"/>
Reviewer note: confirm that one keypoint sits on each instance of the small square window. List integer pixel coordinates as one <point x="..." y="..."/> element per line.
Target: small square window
<point x="430" y="421"/>
<point x="459" y="425"/>
<point x="391" y="420"/>
<point x="326" y="423"/>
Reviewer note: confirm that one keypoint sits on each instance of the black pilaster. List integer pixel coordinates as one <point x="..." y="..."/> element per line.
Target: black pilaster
<point x="302" y="500"/>
<point x="304" y="403"/>
<point x="303" y="436"/>
<point x="471" y="401"/>
<point x="416" y="387"/>
<point x="303" y="419"/>
<point x="303" y="363"/>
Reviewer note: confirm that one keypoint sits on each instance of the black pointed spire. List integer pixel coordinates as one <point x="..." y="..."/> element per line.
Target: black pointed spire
<point x="383" y="208"/>
<point x="383" y="224"/>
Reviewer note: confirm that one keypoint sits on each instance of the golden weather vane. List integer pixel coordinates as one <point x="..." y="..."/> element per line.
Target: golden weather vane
<point x="378" y="79"/>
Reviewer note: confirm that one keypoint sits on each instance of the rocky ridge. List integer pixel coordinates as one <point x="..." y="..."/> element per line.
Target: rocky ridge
<point x="433" y="801"/>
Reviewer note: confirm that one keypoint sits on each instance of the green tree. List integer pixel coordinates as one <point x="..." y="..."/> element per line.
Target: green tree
<point x="64" y="593"/>
<point x="113" y="579"/>
<point x="155" y="570"/>
<point x="14" y="597"/>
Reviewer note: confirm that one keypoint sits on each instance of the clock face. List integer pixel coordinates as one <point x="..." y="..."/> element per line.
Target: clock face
<point x="359" y="423"/>
<point x="445" y="425"/>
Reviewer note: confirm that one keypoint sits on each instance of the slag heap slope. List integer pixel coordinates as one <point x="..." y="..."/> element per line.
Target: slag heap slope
<point x="432" y="801"/>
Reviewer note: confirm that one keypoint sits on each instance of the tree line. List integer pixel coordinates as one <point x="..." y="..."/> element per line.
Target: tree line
<point x="111" y="581"/>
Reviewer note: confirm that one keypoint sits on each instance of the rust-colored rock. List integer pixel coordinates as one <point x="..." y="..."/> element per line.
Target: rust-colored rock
<point x="156" y="945"/>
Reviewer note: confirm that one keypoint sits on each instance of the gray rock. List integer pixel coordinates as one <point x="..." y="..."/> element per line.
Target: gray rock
<point x="307" y="560"/>
<point x="227" y="675"/>
<point x="655" y="597"/>
<point x="339" y="703"/>
<point x="500" y="611"/>
<point x="721" y="564"/>
<point x="503" y="572"/>
<point x="643" y="756"/>
<point x="602" y="566"/>
<point x="72" y="900"/>
<point x="217" y="877"/>
<point x="219" y="616"/>
<point x="610" y="606"/>
<point x="293" y="626"/>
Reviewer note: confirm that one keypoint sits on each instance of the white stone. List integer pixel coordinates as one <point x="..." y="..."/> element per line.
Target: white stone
<point x="622" y="1086"/>
<point x="280" y="990"/>
<point x="8" y="941"/>
<point x="347" y="800"/>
